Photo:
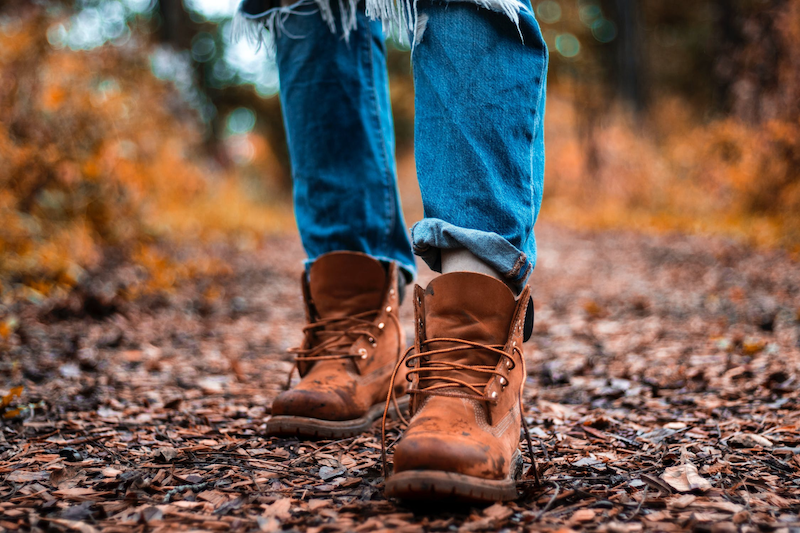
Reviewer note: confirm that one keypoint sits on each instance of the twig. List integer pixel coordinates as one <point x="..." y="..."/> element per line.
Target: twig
<point x="550" y="503"/>
<point x="544" y="448"/>
<point x="180" y="488"/>
<point x="623" y="439"/>
<point x="317" y="450"/>
<point x="14" y="488"/>
<point x="641" y="502"/>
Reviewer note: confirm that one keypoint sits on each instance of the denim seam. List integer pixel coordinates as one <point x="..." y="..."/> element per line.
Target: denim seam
<point x="521" y="261"/>
<point x="387" y="172"/>
<point x="537" y="123"/>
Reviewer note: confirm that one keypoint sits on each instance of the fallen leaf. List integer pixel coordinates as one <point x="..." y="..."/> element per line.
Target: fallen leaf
<point x="76" y="492"/>
<point x="681" y="502"/>
<point x="165" y="455"/>
<point x="656" y="483"/>
<point x="584" y="515"/>
<point x="497" y="511"/>
<point x="279" y="509"/>
<point x="750" y="440"/>
<point x="24" y="476"/>
<point x="326" y="472"/>
<point x="74" y="525"/>
<point x="685" y="478"/>
<point x="317" y="503"/>
<point x="110" y="472"/>
<point x="14" y="393"/>
<point x="269" y="524"/>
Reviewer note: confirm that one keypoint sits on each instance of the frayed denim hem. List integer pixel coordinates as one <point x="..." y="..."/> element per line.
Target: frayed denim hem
<point x="429" y="236"/>
<point x="400" y="18"/>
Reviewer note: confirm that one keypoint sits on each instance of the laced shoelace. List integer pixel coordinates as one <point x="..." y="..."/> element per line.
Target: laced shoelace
<point x="448" y="386"/>
<point x="337" y="336"/>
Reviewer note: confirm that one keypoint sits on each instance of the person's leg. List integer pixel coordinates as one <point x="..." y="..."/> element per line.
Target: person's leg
<point x="480" y="84"/>
<point x="335" y="98"/>
<point x="480" y="97"/>
<point x="339" y="128"/>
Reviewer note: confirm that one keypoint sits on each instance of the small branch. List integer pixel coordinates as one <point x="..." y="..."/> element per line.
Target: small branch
<point x="180" y="488"/>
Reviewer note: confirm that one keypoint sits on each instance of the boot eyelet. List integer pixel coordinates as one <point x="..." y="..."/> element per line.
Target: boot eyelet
<point x="381" y="325"/>
<point x="494" y="394"/>
<point x="503" y="381"/>
<point x="508" y="363"/>
<point x="388" y="308"/>
<point x="363" y="353"/>
<point x="391" y="291"/>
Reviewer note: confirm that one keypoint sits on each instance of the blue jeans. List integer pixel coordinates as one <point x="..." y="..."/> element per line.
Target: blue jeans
<point x="479" y="143"/>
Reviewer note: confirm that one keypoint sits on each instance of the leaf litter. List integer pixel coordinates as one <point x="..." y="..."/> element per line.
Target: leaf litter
<point x="656" y="401"/>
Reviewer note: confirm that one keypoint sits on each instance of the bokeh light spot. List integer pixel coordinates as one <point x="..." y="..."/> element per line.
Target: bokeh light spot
<point x="241" y="120"/>
<point x="203" y="47"/>
<point x="604" y="30"/>
<point x="589" y="13"/>
<point x="214" y="10"/>
<point x="140" y="6"/>
<point x="57" y="36"/>
<point x="549" y="11"/>
<point x="568" y="45"/>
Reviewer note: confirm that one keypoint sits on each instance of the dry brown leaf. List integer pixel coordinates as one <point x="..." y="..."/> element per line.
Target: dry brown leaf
<point x="78" y="493"/>
<point x="317" y="503"/>
<point x="750" y="440"/>
<point x="685" y="478"/>
<point x="165" y="455"/>
<point x="497" y="511"/>
<point x="24" y="476"/>
<point x="584" y="515"/>
<point x="559" y="411"/>
<point x="622" y="527"/>
<point x="7" y="399"/>
<point x="681" y="502"/>
<point x="268" y="524"/>
<point x="74" y="525"/>
<point x="279" y="509"/>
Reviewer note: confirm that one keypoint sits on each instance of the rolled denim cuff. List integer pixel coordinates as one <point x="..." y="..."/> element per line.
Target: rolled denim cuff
<point x="430" y="235"/>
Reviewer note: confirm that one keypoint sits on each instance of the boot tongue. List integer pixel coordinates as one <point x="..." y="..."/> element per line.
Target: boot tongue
<point x="469" y="306"/>
<point x="346" y="283"/>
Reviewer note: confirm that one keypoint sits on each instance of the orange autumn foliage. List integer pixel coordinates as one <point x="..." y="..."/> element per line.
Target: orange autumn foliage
<point x="98" y="154"/>
<point x="736" y="175"/>
<point x="727" y="177"/>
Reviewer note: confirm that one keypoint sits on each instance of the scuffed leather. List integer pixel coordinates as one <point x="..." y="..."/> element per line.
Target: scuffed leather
<point x="341" y="284"/>
<point x="463" y="435"/>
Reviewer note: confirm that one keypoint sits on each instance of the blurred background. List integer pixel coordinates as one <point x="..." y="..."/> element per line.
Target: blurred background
<point x="127" y="124"/>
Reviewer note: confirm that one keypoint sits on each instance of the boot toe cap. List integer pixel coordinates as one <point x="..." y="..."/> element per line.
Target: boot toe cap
<point x="459" y="453"/>
<point x="323" y="405"/>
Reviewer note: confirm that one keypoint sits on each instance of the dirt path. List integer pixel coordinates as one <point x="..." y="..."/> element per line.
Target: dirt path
<point x="662" y="393"/>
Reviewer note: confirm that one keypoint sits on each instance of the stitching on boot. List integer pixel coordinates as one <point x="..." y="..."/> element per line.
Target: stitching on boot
<point x="480" y="418"/>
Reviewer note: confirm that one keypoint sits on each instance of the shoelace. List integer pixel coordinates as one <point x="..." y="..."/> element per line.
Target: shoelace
<point x="338" y="335"/>
<point x="437" y="371"/>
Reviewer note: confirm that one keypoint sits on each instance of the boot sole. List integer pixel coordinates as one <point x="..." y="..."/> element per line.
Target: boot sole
<point x="302" y="426"/>
<point x="425" y="485"/>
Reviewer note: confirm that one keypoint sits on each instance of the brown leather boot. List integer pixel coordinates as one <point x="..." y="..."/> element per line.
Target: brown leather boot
<point x="467" y="373"/>
<point x="353" y="340"/>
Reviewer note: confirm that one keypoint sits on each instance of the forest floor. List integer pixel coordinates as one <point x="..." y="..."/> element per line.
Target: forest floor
<point x="662" y="395"/>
